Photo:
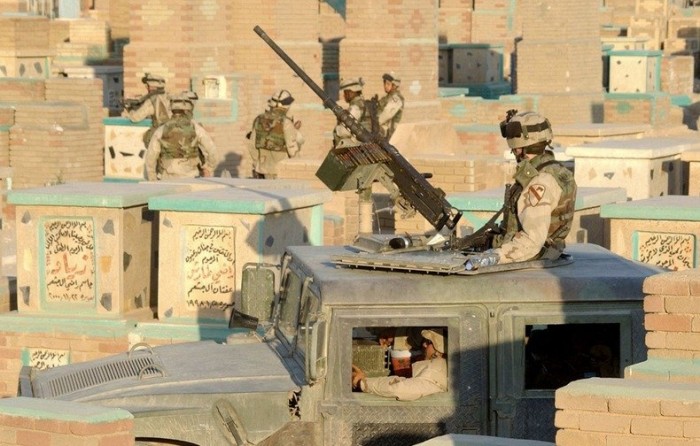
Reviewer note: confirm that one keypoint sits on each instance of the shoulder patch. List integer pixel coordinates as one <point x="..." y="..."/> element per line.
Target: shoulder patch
<point x="536" y="192"/>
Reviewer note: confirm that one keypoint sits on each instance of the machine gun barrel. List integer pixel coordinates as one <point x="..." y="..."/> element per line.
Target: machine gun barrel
<point x="425" y="198"/>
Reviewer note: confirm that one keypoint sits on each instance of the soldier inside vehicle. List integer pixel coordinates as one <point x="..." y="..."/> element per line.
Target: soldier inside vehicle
<point x="405" y="363"/>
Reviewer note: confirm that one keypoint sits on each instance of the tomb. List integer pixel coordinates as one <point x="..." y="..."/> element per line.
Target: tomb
<point x="661" y="231"/>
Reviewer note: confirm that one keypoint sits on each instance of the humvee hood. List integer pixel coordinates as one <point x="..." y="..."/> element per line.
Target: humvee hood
<point x="190" y="368"/>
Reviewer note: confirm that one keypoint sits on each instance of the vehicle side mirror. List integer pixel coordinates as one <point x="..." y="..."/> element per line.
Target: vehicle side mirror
<point x="242" y="320"/>
<point x="316" y="355"/>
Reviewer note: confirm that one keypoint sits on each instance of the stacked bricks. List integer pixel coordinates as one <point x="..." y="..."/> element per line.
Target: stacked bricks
<point x="25" y="421"/>
<point x="61" y="139"/>
<point x="650" y="108"/>
<point x="7" y="119"/>
<point x="119" y="18"/>
<point x="649" y="27"/>
<point x="88" y="43"/>
<point x="331" y="23"/>
<point x="464" y="110"/>
<point x="559" y="58"/>
<point x="658" y="402"/>
<point x="683" y="34"/>
<point x="617" y="412"/>
<point x="23" y="343"/>
<point x="204" y="39"/>
<point x="331" y="32"/>
<point x="476" y="121"/>
<point x="402" y="39"/>
<point x="455" y="21"/>
<point x="650" y="20"/>
<point x="492" y="22"/>
<point x="672" y="319"/>
<point x="677" y="74"/>
<point x="620" y="12"/>
<point x="24" y="47"/>
<point x="10" y="6"/>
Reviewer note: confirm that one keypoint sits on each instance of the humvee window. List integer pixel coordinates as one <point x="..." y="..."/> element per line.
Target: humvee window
<point x="389" y="351"/>
<point x="558" y="354"/>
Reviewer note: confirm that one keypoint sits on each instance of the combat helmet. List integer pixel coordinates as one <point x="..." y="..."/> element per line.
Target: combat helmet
<point x="352" y="84"/>
<point x="153" y="81"/>
<point x="528" y="130"/>
<point x="183" y="102"/>
<point x="282" y="98"/>
<point x="391" y="77"/>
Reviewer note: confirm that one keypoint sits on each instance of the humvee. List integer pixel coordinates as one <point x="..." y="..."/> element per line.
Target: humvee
<point x="284" y="374"/>
<point x="512" y="338"/>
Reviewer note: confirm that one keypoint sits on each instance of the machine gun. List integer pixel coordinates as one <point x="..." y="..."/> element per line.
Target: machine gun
<point x="374" y="159"/>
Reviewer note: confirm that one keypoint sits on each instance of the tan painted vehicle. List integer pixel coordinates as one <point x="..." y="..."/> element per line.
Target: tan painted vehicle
<point x="511" y="338"/>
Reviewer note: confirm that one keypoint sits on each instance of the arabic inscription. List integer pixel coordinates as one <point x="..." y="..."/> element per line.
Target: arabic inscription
<point x="209" y="267"/>
<point x="673" y="251"/>
<point x="69" y="250"/>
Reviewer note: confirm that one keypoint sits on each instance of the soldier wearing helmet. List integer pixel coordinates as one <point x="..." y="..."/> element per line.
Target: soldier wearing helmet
<point x="391" y="105"/>
<point x="180" y="148"/>
<point x="275" y="136"/>
<point x="154" y="105"/>
<point x="539" y="206"/>
<point x="357" y="107"/>
<point x="428" y="376"/>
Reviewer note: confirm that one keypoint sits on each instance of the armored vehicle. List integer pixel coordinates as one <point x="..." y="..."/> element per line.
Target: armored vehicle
<point x="511" y="339"/>
<point x="284" y="376"/>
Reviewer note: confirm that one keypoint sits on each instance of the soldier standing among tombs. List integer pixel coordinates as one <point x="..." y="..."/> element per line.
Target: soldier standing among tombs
<point x="390" y="106"/>
<point x="539" y="207"/>
<point x="180" y="148"/>
<point x="357" y="107"/>
<point x="154" y="104"/>
<point x="275" y="136"/>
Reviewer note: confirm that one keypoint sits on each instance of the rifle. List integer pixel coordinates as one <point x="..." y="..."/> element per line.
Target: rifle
<point x="130" y="104"/>
<point x="421" y="195"/>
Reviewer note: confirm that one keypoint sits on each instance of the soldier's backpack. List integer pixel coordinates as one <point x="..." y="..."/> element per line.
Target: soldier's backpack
<point x="179" y="139"/>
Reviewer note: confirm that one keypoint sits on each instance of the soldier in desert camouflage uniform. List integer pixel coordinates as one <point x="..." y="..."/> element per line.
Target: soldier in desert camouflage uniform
<point x="357" y="107"/>
<point x="539" y="207"/>
<point x="428" y="376"/>
<point x="180" y="148"/>
<point x="154" y="104"/>
<point x="275" y="136"/>
<point x="391" y="105"/>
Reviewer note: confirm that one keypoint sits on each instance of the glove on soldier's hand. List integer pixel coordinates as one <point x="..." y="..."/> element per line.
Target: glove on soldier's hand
<point x="476" y="261"/>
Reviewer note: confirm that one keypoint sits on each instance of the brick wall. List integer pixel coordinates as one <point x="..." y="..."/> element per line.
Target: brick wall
<point x="653" y="108"/>
<point x="16" y="345"/>
<point x="59" y="139"/>
<point x="560" y="56"/>
<point x="658" y="402"/>
<point x="455" y="21"/>
<point x="677" y="74"/>
<point x="616" y="412"/>
<point x="672" y="318"/>
<point x="27" y="421"/>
